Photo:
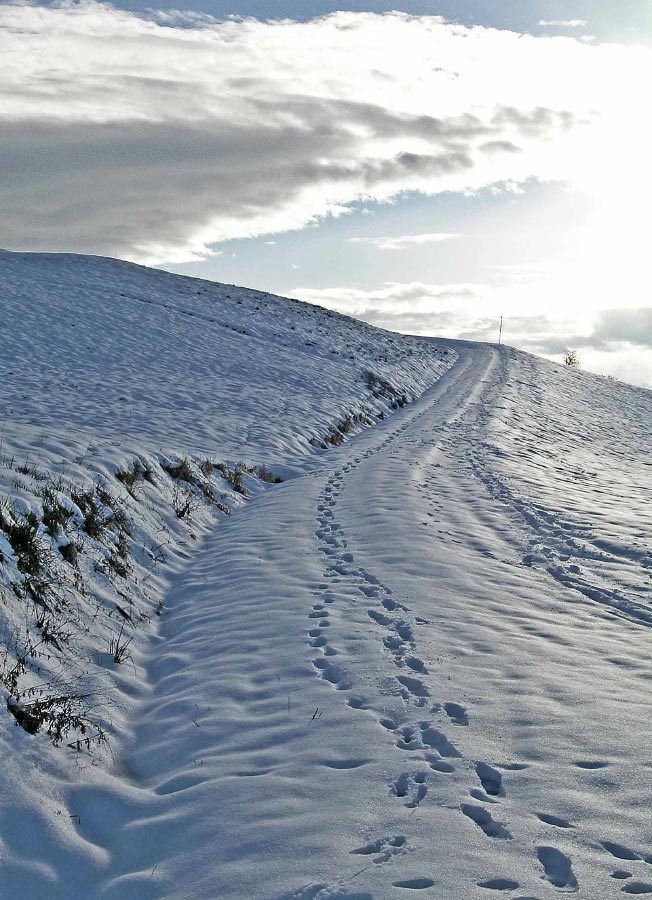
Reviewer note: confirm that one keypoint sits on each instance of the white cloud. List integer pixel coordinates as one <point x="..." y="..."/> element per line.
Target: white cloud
<point x="154" y="140"/>
<point x="613" y="341"/>
<point x="403" y="241"/>
<point x="633" y="326"/>
<point x="402" y="306"/>
<point x="563" y="23"/>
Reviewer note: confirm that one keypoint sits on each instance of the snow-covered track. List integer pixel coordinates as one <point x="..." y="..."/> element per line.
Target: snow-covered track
<point x="418" y="667"/>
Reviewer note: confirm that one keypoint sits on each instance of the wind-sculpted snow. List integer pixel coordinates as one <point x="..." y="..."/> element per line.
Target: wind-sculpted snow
<point x="138" y="409"/>
<point x="111" y="351"/>
<point x="420" y="667"/>
<point x="571" y="453"/>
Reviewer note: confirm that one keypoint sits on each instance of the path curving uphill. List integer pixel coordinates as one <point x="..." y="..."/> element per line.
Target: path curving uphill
<point x="367" y="686"/>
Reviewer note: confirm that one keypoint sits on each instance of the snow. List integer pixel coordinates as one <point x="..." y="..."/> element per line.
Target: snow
<point x="417" y="667"/>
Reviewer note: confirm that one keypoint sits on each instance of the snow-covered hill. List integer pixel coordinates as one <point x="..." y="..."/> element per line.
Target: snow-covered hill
<point x="419" y="666"/>
<point x="110" y="350"/>
<point x="137" y="406"/>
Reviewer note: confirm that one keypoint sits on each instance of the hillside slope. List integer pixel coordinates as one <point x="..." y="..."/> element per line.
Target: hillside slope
<point x="419" y="667"/>
<point x="110" y="350"/>
<point x="138" y="408"/>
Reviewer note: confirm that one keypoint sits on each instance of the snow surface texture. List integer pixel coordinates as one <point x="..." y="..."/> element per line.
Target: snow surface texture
<point x="418" y="668"/>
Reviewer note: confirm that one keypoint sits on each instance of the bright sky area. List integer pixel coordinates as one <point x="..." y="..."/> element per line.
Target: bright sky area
<point x="428" y="170"/>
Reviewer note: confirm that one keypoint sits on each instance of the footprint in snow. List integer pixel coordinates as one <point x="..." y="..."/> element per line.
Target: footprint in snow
<point x="344" y="763"/>
<point x="484" y="820"/>
<point x="369" y="578"/>
<point x="394" y="644"/>
<point x="438" y="765"/>
<point x="416" y="664"/>
<point x="383" y="849"/>
<point x="490" y="779"/>
<point x="557" y="867"/>
<point x="404" y="631"/>
<point x="379" y="618"/>
<point x="477" y="794"/>
<point x="619" y="851"/>
<point x="338" y="677"/>
<point x="499" y="884"/>
<point x="391" y="605"/>
<point x="431" y="737"/>
<point x="412" y="787"/>
<point x="414" y="686"/>
<point x="408" y="739"/>
<point x="557" y="821"/>
<point x="456" y="713"/>
<point x="357" y="703"/>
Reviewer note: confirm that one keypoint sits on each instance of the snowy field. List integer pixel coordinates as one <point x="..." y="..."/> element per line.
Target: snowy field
<point x="419" y="666"/>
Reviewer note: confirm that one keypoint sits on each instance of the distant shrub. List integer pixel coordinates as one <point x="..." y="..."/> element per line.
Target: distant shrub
<point x="181" y="471"/>
<point x="116" y="561"/>
<point x="234" y="477"/>
<point x="59" y="714"/>
<point x="119" y="647"/>
<point x="206" y="467"/>
<point x="184" y="503"/>
<point x="100" y="509"/>
<point x="31" y="470"/>
<point x="55" y="515"/>
<point x="22" y="534"/>
<point x="266" y="475"/>
<point x="94" y="518"/>
<point x="69" y="553"/>
<point x="137" y="473"/>
<point x="379" y="386"/>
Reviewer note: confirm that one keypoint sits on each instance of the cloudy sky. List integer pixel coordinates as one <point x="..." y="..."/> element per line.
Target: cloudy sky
<point x="427" y="166"/>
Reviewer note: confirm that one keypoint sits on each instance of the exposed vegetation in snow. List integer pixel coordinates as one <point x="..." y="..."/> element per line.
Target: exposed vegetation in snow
<point x="127" y="394"/>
